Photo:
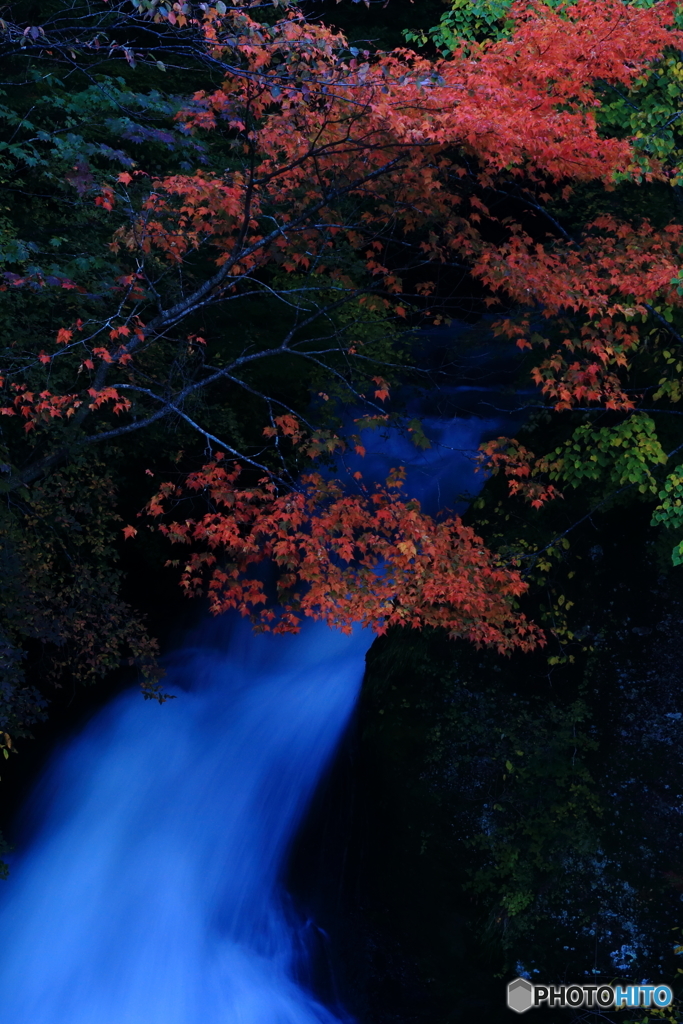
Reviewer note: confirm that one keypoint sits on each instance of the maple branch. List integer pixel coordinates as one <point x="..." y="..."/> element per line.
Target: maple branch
<point x="170" y="407"/>
<point x="173" y="403"/>
<point x="519" y="194"/>
<point x="310" y="356"/>
<point x="198" y="299"/>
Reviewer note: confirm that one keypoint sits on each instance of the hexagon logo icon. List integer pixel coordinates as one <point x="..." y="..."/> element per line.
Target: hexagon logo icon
<point x="520" y="995"/>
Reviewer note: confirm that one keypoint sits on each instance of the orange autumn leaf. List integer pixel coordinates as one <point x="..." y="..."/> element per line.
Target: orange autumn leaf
<point x="372" y="558"/>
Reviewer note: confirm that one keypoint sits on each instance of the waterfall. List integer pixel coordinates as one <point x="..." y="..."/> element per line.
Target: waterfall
<point x="150" y="894"/>
<point x="150" y="889"/>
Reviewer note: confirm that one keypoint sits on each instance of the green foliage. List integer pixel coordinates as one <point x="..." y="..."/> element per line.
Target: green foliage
<point x="471" y="20"/>
<point x="650" y="112"/>
<point x="620" y="455"/>
<point x="671" y="385"/>
<point x="69" y="135"/>
<point x="597" y="469"/>
<point x="669" y="512"/>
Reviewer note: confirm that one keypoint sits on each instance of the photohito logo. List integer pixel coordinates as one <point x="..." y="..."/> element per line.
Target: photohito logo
<point x="523" y="996"/>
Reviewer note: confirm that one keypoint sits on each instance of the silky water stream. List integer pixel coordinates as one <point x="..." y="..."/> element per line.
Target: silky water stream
<point x="149" y="891"/>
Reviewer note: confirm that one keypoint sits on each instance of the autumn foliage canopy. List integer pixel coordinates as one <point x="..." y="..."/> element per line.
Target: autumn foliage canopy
<point x="351" y="183"/>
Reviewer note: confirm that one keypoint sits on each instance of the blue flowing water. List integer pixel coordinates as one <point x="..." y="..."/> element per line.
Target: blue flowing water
<point x="150" y="891"/>
<point x="151" y="894"/>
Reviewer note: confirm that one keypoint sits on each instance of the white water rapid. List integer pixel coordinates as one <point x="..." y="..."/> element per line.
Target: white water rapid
<point x="150" y="889"/>
<point x="150" y="895"/>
